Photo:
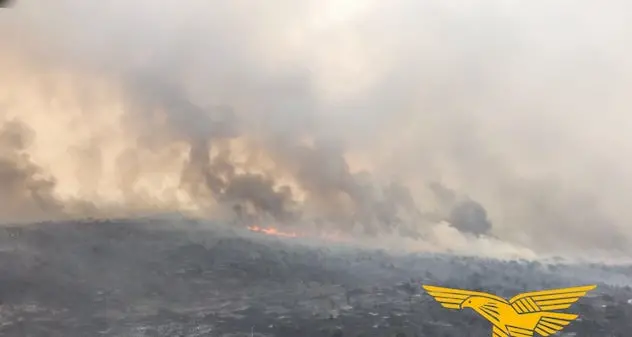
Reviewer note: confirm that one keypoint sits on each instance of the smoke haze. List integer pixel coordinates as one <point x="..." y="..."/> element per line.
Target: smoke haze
<point x="501" y="121"/>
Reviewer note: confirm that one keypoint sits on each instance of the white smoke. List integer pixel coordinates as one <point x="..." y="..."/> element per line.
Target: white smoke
<point x="333" y="113"/>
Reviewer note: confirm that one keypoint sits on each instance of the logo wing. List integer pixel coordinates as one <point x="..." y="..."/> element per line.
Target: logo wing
<point x="498" y="332"/>
<point x="547" y="300"/>
<point x="452" y="298"/>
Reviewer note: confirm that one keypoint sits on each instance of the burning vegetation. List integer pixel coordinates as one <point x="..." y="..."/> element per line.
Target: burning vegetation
<point x="332" y="153"/>
<point x="272" y="231"/>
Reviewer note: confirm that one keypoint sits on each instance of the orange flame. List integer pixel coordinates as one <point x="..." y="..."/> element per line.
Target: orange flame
<point x="271" y="231"/>
<point x="331" y="237"/>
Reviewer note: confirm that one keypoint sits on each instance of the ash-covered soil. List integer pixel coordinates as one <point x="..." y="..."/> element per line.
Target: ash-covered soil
<point x="155" y="278"/>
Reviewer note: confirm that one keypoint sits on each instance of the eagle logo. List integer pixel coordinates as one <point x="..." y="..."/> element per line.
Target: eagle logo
<point x="522" y="315"/>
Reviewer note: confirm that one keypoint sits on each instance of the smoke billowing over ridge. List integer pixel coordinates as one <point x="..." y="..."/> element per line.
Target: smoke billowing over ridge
<point x="505" y="120"/>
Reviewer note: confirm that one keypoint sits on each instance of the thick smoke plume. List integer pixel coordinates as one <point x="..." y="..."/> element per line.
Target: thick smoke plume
<point x="504" y="120"/>
<point x="25" y="191"/>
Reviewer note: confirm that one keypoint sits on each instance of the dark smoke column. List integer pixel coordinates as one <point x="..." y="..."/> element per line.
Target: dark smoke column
<point x="470" y="217"/>
<point x="6" y="3"/>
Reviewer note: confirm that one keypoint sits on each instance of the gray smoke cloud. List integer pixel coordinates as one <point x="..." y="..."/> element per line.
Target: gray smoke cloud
<point x="325" y="114"/>
<point x="470" y="217"/>
<point x="25" y="190"/>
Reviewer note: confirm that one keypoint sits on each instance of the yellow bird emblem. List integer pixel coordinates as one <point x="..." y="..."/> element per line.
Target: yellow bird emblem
<point x="522" y="315"/>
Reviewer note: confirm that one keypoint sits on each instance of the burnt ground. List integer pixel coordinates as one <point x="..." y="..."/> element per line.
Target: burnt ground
<point x="150" y="278"/>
